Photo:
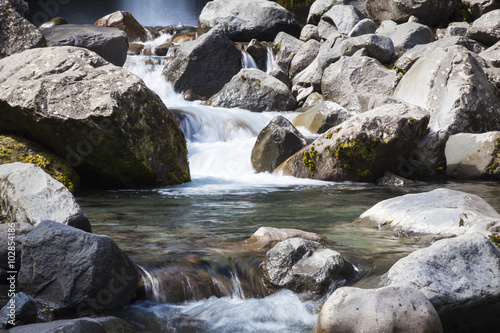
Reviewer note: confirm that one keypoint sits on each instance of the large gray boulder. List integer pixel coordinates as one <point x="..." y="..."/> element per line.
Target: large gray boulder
<point x="109" y="43"/>
<point x="441" y="212"/>
<point x="361" y="148"/>
<point x="197" y="64"/>
<point x="276" y="142"/>
<point x="363" y="27"/>
<point x="303" y="265"/>
<point x="428" y="11"/>
<point x="287" y="47"/>
<point x="407" y="60"/>
<point x="473" y="156"/>
<point x="492" y="55"/>
<point x="256" y="91"/>
<point x="378" y="47"/>
<point x="318" y="8"/>
<point x="304" y="57"/>
<point x="268" y="237"/>
<point x="445" y="82"/>
<point x="308" y="32"/>
<point x="352" y="80"/>
<point x="20" y="229"/>
<point x="460" y="277"/>
<point x="406" y="35"/>
<point x="244" y="20"/>
<point x="80" y="325"/>
<point x="16" y="33"/>
<point x="29" y="195"/>
<point x="112" y="129"/>
<point x="342" y="17"/>
<point x="486" y="29"/>
<point x="387" y="309"/>
<point x="322" y="116"/>
<point x="69" y="270"/>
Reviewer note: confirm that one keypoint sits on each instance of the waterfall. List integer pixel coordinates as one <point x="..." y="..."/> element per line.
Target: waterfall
<point x="248" y="60"/>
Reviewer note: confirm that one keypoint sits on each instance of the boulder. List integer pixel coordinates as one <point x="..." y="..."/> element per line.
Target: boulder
<point x="318" y="8"/>
<point x="21" y="6"/>
<point x="162" y="49"/>
<point x="276" y="142"/>
<point x="390" y="179"/>
<point x="80" y="325"/>
<point x="16" y="33"/>
<point x="17" y="149"/>
<point x="302" y="265"/>
<point x="363" y="27"/>
<point x="268" y="237"/>
<point x="480" y="7"/>
<point x="456" y="29"/>
<point x="445" y="83"/>
<point x="406" y="35"/>
<point x="304" y="57"/>
<point x="109" y="43"/>
<point x="342" y="17"/>
<point x="196" y="64"/>
<point x="378" y="47"/>
<point x="322" y="116"/>
<point x="486" y="29"/>
<point x="244" y="20"/>
<point x="492" y="55"/>
<point x="431" y="12"/>
<point x="308" y="32"/>
<point x="473" y="156"/>
<point x="257" y="49"/>
<point x="29" y="195"/>
<point x="21" y="229"/>
<point x="256" y="91"/>
<point x="326" y="28"/>
<point x="460" y="277"/>
<point x="407" y="60"/>
<point x="441" y="212"/>
<point x="363" y="147"/>
<point x="387" y="309"/>
<point x="287" y="47"/>
<point x="68" y="100"/>
<point x="493" y="75"/>
<point x="280" y="75"/>
<point x="125" y="22"/>
<point x="352" y="80"/>
<point x="93" y="275"/>
<point x="52" y="23"/>
<point x="135" y="48"/>
<point x="24" y="311"/>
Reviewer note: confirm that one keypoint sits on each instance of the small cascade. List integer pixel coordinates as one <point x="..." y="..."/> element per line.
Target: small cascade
<point x="271" y="63"/>
<point x="248" y="61"/>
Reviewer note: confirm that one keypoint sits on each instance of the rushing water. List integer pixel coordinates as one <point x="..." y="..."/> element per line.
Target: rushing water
<point x="187" y="238"/>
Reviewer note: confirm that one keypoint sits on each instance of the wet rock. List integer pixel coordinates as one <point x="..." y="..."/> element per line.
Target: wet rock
<point x="80" y="325"/>
<point x="125" y="22"/>
<point x="309" y="31"/>
<point x="480" y="7"/>
<point x="445" y="83"/>
<point x="21" y="230"/>
<point x="109" y="43"/>
<point x="318" y="8"/>
<point x="390" y="179"/>
<point x="16" y="33"/>
<point x="52" y="23"/>
<point x="303" y="265"/>
<point x="428" y="11"/>
<point x="31" y="196"/>
<point x="256" y="91"/>
<point x="267" y="237"/>
<point x="406" y="35"/>
<point x="352" y="80"/>
<point x="363" y="27"/>
<point x="492" y="55"/>
<point x="162" y="50"/>
<point x="322" y="116"/>
<point x="287" y="47"/>
<point x="387" y="309"/>
<point x="111" y="134"/>
<point x="342" y="17"/>
<point x="473" y="156"/>
<point x="464" y="290"/>
<point x="248" y="19"/>
<point x="407" y="60"/>
<point x="196" y="64"/>
<point x="486" y="29"/>
<point x="276" y="142"/>
<point x="363" y="147"/>
<point x="93" y="274"/>
<point x="304" y="57"/>
<point x="25" y="311"/>
<point x="256" y="49"/>
<point x="378" y="47"/>
<point x="190" y="95"/>
<point x="441" y="212"/>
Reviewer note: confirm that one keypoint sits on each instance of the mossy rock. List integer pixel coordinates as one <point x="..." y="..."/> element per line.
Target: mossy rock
<point x="17" y="149"/>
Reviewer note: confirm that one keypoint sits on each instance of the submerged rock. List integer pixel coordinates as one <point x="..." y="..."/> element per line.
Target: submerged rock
<point x="31" y="196"/>
<point x="16" y="33"/>
<point x="465" y="289"/>
<point x="387" y="309"/>
<point x="322" y="116"/>
<point x="93" y="274"/>
<point x="109" y="43"/>
<point x="112" y="129"/>
<point x="267" y="237"/>
<point x="441" y="213"/>
<point x="256" y="91"/>
<point x="303" y="265"/>
<point x="125" y="22"/>
<point x="363" y="147"/>
<point x="276" y="142"/>
<point x="244" y="20"/>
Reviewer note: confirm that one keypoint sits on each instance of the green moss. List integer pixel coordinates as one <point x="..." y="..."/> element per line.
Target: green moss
<point x="356" y="150"/>
<point x="495" y="239"/>
<point x="257" y="83"/>
<point x="364" y="173"/>
<point x="329" y="136"/>
<point x="308" y="159"/>
<point x="461" y="223"/>
<point x="243" y="77"/>
<point x="491" y="169"/>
